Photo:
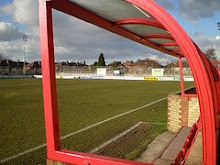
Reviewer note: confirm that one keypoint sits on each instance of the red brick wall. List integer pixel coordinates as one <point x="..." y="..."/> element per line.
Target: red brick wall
<point x="182" y="111"/>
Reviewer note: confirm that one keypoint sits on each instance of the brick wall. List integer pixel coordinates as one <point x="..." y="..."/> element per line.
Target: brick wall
<point x="193" y="111"/>
<point x="182" y="111"/>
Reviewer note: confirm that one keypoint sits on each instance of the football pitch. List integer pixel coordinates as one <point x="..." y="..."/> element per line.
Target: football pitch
<point x="89" y="114"/>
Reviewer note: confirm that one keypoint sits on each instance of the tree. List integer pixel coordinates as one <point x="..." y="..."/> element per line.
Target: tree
<point x="101" y="60"/>
<point x="95" y="63"/>
<point x="210" y="54"/>
<point x="115" y="64"/>
<point x="1" y="56"/>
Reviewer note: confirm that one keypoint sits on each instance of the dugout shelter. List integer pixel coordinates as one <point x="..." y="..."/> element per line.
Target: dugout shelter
<point x="147" y="23"/>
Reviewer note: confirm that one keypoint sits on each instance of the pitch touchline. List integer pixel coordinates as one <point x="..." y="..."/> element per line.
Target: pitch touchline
<point x="121" y="135"/>
<point x="81" y="130"/>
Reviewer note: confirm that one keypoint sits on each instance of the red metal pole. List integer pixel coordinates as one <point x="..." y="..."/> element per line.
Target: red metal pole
<point x="48" y="72"/>
<point x="181" y="75"/>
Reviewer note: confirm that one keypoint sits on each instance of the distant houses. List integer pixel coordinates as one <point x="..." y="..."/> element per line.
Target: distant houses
<point x="118" y="68"/>
<point x="33" y="68"/>
<point x="128" y="64"/>
<point x="10" y="67"/>
<point x="173" y="68"/>
<point x="71" y="67"/>
<point x="140" y="67"/>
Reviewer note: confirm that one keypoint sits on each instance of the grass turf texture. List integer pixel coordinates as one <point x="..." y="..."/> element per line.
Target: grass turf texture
<point x="132" y="144"/>
<point x="81" y="103"/>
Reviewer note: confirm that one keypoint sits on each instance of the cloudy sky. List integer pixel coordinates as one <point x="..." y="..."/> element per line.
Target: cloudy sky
<point x="76" y="40"/>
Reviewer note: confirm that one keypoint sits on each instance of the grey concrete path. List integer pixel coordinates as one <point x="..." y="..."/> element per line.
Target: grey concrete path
<point x="156" y="147"/>
<point x="195" y="155"/>
<point x="165" y="147"/>
<point x="176" y="145"/>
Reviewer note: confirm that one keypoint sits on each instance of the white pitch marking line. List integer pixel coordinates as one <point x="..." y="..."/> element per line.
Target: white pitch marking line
<point x="81" y="130"/>
<point x="115" y="138"/>
<point x="155" y="123"/>
<point x="122" y="134"/>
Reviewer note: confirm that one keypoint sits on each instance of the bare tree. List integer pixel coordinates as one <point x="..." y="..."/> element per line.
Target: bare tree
<point x="1" y="56"/>
<point x="210" y="54"/>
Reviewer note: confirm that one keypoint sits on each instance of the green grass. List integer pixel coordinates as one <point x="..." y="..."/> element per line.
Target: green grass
<point x="134" y="143"/>
<point x="81" y="103"/>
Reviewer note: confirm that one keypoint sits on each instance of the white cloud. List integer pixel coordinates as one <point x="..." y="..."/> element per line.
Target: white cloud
<point x="23" y="11"/>
<point x="168" y="5"/>
<point x="205" y="43"/>
<point x="75" y="40"/>
<point x="164" y="60"/>
<point x="8" y="32"/>
<point x="192" y="10"/>
<point x="7" y="9"/>
<point x="12" y="50"/>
